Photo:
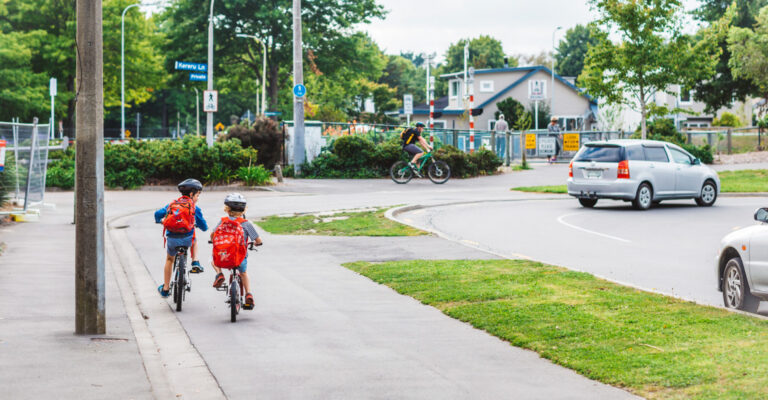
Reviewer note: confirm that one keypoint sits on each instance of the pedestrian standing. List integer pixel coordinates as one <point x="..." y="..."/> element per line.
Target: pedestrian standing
<point x="501" y="129"/>
<point x="554" y="129"/>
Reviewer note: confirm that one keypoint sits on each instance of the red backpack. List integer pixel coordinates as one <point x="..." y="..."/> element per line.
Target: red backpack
<point x="229" y="243"/>
<point x="181" y="216"/>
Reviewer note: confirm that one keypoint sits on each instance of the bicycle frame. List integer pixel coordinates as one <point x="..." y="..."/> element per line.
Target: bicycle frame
<point x="424" y="160"/>
<point x="180" y="260"/>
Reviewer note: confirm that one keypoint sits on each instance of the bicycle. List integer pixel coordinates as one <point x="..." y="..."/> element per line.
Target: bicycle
<point x="437" y="171"/>
<point x="180" y="283"/>
<point x="234" y="289"/>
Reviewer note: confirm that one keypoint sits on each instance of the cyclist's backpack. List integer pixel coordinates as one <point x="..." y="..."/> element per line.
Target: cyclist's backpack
<point x="181" y="216"/>
<point x="229" y="243"/>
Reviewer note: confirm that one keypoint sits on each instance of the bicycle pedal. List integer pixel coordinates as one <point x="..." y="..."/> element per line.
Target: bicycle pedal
<point x="247" y="307"/>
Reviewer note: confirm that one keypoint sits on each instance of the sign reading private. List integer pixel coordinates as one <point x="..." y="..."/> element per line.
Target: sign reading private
<point x="189" y="66"/>
<point x="547" y="145"/>
<point x="210" y="101"/>
<point x="537" y="90"/>
<point x="530" y="141"/>
<point x="197" y="76"/>
<point x="408" y="104"/>
<point x="571" y="142"/>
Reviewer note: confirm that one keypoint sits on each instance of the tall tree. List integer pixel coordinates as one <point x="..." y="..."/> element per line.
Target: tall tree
<point x="401" y="75"/>
<point x="22" y="92"/>
<point x="484" y="52"/>
<point x="571" y="51"/>
<point x="749" y="49"/>
<point x="723" y="87"/>
<point x="325" y="23"/>
<point x="652" y="53"/>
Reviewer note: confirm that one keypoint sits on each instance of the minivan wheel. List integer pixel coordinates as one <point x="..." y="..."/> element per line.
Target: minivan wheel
<point x="736" y="292"/>
<point x="708" y="194"/>
<point x="588" y="203"/>
<point x="644" y="198"/>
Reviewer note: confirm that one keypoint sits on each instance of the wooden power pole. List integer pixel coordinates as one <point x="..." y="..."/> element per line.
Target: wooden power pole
<point x="89" y="203"/>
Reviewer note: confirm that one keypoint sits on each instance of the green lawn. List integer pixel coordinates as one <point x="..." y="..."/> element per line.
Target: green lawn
<point x="752" y="181"/>
<point x="655" y="346"/>
<point x="352" y="223"/>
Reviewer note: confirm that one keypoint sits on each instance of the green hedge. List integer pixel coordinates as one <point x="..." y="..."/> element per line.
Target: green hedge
<point x="134" y="164"/>
<point x="359" y="157"/>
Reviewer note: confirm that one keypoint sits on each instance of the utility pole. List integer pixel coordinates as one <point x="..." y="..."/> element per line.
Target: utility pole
<point x="197" y="112"/>
<point x="298" y="79"/>
<point x="552" y="89"/>
<point x="430" y="97"/>
<point x="89" y="193"/>
<point x="209" y="115"/>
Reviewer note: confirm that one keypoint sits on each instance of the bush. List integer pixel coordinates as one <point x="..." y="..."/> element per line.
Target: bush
<point x="664" y="130"/>
<point x="727" y="119"/>
<point x="57" y="176"/>
<point x="703" y="153"/>
<point x="264" y="136"/>
<point x="7" y="180"/>
<point x="254" y="175"/>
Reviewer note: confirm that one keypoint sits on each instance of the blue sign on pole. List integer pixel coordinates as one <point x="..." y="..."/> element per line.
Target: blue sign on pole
<point x="188" y="66"/>
<point x="198" y="77"/>
<point x="299" y="90"/>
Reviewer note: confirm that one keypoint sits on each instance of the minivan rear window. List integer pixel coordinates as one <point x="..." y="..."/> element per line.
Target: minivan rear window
<point x="635" y="153"/>
<point x="601" y="153"/>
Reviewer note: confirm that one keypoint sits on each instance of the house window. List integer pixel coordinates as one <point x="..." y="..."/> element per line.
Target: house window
<point x="440" y="124"/>
<point x="486" y="86"/>
<point x="491" y="125"/>
<point x="454" y="89"/>
<point x="685" y="95"/>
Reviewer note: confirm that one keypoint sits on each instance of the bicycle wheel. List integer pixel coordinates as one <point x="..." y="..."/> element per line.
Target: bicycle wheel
<point x="180" y="284"/>
<point x="401" y="172"/>
<point x="439" y="172"/>
<point x="233" y="301"/>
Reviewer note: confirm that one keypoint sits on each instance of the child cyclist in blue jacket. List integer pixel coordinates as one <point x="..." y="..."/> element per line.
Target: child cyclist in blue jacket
<point x="190" y="191"/>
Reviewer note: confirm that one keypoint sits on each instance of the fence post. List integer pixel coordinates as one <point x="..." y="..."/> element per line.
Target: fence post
<point x="709" y="139"/>
<point x="522" y="148"/>
<point x="730" y="149"/>
<point x="455" y="139"/>
<point x="30" y="167"/>
<point x="690" y="139"/>
<point x="15" y="130"/>
<point x="507" y="148"/>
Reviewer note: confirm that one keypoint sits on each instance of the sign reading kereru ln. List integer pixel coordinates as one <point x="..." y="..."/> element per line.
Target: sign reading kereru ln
<point x="189" y="66"/>
<point x="210" y="101"/>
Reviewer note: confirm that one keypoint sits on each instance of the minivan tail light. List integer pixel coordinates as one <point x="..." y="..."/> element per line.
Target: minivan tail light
<point x="623" y="170"/>
<point x="570" y="170"/>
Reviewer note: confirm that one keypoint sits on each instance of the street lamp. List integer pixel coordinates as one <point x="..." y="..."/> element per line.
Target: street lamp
<point x="263" y="70"/>
<point x="209" y="115"/>
<point x="122" y="66"/>
<point x="552" y="89"/>
<point x="197" y="111"/>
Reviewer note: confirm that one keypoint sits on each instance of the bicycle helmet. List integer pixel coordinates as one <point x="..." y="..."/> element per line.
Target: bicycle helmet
<point x="190" y="185"/>
<point x="420" y="125"/>
<point x="235" y="202"/>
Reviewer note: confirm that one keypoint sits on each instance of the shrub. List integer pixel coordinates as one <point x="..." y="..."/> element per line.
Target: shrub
<point x="264" y="136"/>
<point x="704" y="153"/>
<point x="254" y="175"/>
<point x="58" y="176"/>
<point x="7" y="180"/>
<point x="461" y="166"/>
<point x="727" y="119"/>
<point x="487" y="162"/>
<point x="129" y="178"/>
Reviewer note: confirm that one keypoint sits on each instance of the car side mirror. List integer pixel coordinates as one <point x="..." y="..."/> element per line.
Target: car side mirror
<point x="696" y="161"/>
<point x="761" y="214"/>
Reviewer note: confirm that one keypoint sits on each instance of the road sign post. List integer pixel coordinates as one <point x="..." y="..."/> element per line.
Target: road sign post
<point x="408" y="108"/>
<point x="53" y="105"/>
<point x="210" y="101"/>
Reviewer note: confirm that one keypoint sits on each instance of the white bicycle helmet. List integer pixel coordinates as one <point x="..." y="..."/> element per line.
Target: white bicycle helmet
<point x="235" y="201"/>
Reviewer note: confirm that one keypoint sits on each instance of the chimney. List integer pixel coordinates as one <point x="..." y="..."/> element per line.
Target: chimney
<point x="506" y="62"/>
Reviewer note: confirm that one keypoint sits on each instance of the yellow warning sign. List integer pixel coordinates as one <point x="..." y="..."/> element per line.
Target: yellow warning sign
<point x="127" y="133"/>
<point x="530" y="141"/>
<point x="571" y="142"/>
<point x="219" y="126"/>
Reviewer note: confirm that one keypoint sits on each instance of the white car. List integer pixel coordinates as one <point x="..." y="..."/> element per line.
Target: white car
<point x="742" y="265"/>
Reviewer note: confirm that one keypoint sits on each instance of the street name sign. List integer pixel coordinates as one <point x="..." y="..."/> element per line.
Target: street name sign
<point x="210" y="101"/>
<point x="299" y="90"/>
<point x="408" y="104"/>
<point x="197" y="76"/>
<point x="189" y="66"/>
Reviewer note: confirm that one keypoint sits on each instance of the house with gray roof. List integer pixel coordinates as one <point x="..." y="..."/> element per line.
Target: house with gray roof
<point x="574" y="109"/>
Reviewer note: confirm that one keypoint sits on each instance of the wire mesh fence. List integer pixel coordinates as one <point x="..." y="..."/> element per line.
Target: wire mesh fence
<point x="26" y="161"/>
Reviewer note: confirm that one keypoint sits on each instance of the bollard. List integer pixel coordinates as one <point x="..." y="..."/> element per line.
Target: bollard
<point x="279" y="173"/>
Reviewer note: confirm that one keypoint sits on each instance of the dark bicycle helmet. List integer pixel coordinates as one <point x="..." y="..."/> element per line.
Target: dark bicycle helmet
<point x="190" y="185"/>
<point x="420" y="125"/>
<point x="235" y="202"/>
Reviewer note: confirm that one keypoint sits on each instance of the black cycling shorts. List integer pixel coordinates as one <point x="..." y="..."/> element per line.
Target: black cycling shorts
<point x="412" y="149"/>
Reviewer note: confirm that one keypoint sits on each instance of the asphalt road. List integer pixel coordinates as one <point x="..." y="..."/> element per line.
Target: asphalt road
<point x="669" y="249"/>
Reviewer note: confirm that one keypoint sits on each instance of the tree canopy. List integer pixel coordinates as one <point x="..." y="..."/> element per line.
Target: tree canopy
<point x="749" y="49"/>
<point x="484" y="52"/>
<point x="571" y="51"/>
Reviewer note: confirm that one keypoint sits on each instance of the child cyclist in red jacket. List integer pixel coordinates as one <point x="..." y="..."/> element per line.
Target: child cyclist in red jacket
<point x="230" y="239"/>
<point x="179" y="218"/>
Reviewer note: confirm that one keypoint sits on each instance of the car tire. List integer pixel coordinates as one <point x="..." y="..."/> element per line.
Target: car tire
<point x="588" y="203"/>
<point x="644" y="197"/>
<point x="736" y="293"/>
<point x="708" y="194"/>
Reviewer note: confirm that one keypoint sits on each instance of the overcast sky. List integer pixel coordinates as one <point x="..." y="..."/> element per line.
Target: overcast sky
<point x="522" y="26"/>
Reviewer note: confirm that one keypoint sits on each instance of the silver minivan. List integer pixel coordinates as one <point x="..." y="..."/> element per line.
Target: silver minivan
<point x="644" y="172"/>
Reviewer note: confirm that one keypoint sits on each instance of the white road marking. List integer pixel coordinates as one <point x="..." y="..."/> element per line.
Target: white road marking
<point x="561" y="218"/>
<point x="470" y="242"/>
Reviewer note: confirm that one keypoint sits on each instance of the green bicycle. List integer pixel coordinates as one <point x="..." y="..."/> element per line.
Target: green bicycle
<point x="437" y="171"/>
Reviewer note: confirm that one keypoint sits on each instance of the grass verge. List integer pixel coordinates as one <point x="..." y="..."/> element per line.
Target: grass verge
<point x="653" y="345"/>
<point x="746" y="181"/>
<point x="369" y="222"/>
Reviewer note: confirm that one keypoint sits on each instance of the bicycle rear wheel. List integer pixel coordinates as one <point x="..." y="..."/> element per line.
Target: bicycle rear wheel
<point x="400" y="172"/>
<point x="439" y="172"/>
<point x="178" y="290"/>
<point x="233" y="301"/>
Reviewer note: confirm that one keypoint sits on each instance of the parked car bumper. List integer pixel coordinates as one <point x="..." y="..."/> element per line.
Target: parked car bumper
<point x="620" y="189"/>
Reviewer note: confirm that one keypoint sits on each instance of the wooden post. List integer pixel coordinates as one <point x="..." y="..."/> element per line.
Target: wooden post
<point x="89" y="113"/>
<point x="730" y="132"/>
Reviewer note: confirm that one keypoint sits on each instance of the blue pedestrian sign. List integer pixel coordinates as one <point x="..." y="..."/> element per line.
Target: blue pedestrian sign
<point x="299" y="90"/>
<point x="189" y="66"/>
<point x="197" y="77"/>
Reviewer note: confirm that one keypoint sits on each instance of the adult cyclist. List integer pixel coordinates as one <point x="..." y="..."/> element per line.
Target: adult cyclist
<point x="410" y="136"/>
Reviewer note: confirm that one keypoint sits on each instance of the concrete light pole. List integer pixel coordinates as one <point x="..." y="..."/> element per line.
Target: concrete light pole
<point x="89" y="181"/>
<point x="209" y="115"/>
<point x="263" y="71"/>
<point x="122" y="66"/>
<point x="552" y="89"/>
<point x="298" y="79"/>
<point x="197" y="111"/>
